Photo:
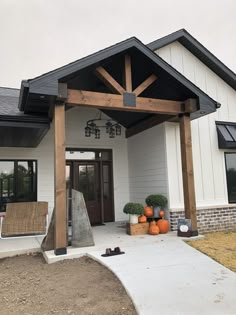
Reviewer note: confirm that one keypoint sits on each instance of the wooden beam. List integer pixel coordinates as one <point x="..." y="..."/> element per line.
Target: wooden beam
<point x="62" y="91"/>
<point x="60" y="180"/>
<point x="143" y="86"/>
<point x="187" y="171"/>
<point x="190" y="105"/>
<point x="146" y="124"/>
<point x="113" y="101"/>
<point x="109" y="81"/>
<point x="128" y="74"/>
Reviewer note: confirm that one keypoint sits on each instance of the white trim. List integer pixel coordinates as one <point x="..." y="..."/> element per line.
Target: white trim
<point x="225" y="206"/>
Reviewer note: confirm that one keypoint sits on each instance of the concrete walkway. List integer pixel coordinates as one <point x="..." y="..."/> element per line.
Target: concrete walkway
<point x="19" y="246"/>
<point x="172" y="278"/>
<point x="162" y="274"/>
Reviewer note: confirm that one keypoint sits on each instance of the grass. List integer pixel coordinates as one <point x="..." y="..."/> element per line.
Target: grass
<point x="221" y="246"/>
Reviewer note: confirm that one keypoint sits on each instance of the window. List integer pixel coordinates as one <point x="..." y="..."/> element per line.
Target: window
<point x="230" y="162"/>
<point x="18" y="182"/>
<point x="80" y="155"/>
<point x="89" y="154"/>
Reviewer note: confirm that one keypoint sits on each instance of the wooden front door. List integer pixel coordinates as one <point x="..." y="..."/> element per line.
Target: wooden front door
<point x="94" y="179"/>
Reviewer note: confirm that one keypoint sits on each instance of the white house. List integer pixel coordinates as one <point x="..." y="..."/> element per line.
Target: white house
<point x="165" y="81"/>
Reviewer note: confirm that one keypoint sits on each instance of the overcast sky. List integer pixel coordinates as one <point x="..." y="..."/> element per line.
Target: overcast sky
<point x="37" y="36"/>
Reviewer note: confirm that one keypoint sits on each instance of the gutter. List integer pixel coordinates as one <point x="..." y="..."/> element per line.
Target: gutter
<point x="25" y="119"/>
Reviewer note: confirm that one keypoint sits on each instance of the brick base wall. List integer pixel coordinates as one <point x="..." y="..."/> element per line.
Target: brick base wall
<point x="209" y="220"/>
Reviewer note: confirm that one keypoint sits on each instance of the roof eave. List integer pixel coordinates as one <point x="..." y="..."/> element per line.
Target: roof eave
<point x="195" y="47"/>
<point x="25" y="119"/>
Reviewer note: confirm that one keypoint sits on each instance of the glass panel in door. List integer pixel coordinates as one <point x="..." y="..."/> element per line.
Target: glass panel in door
<point x="107" y="192"/>
<point x="88" y="184"/>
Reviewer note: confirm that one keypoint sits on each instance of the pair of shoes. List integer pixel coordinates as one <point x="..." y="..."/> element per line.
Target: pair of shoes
<point x="110" y="252"/>
<point x="117" y="250"/>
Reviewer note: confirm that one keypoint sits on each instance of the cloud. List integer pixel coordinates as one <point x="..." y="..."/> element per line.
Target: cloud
<point x="38" y="36"/>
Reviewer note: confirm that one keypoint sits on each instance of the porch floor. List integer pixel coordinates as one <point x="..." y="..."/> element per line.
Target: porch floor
<point x="109" y="235"/>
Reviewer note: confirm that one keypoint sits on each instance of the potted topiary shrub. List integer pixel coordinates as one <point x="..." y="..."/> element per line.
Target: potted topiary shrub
<point x="157" y="202"/>
<point x="134" y="210"/>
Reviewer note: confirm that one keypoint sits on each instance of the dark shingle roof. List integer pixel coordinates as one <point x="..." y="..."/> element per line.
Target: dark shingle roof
<point x="16" y="128"/>
<point x="9" y="99"/>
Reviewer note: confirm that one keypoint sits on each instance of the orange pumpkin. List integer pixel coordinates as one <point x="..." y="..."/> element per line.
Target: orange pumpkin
<point x="153" y="228"/>
<point x="148" y="211"/>
<point x="163" y="225"/>
<point x="142" y="219"/>
<point x="161" y="213"/>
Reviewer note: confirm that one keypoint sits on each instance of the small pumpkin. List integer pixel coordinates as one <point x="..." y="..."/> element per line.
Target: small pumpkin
<point x="161" y="213"/>
<point x="142" y="219"/>
<point x="163" y="226"/>
<point x="153" y="228"/>
<point x="148" y="211"/>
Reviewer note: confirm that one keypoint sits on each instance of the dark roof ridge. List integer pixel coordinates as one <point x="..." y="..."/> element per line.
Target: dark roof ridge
<point x="9" y="92"/>
<point x="200" y="51"/>
<point x="155" y="42"/>
<point x="9" y="88"/>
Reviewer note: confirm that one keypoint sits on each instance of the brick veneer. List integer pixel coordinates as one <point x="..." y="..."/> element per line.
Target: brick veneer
<point x="209" y="220"/>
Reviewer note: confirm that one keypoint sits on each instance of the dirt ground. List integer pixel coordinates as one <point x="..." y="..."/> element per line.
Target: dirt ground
<point x="29" y="286"/>
<point x="220" y="246"/>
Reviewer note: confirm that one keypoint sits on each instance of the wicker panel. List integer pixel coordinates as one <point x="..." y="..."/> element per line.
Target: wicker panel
<point x="25" y="218"/>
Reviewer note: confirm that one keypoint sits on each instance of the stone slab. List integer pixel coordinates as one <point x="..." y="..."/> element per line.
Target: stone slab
<point x="82" y="234"/>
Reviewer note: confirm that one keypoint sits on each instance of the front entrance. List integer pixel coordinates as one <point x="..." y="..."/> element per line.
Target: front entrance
<point x="90" y="172"/>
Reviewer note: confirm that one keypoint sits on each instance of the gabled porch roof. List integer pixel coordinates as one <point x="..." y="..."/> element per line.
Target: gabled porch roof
<point x="39" y="93"/>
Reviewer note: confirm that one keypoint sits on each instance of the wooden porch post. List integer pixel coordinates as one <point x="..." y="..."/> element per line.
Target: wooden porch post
<point x="187" y="171"/>
<point x="60" y="246"/>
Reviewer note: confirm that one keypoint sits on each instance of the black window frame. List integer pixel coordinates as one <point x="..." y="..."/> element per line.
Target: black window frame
<point x="95" y="150"/>
<point x="16" y="161"/>
<point x="227" y="179"/>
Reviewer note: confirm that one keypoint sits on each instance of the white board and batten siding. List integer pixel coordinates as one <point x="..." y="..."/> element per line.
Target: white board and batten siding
<point x="209" y="164"/>
<point x="147" y="164"/>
